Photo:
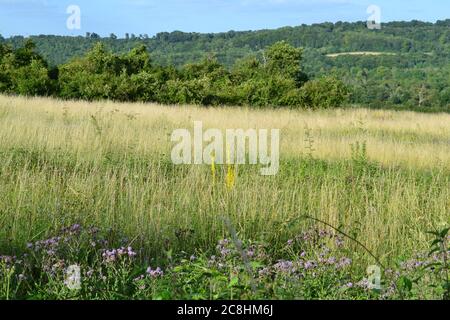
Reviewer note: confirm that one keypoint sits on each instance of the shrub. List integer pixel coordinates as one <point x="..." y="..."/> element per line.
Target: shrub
<point x="277" y="80"/>
<point x="323" y="93"/>
<point x="32" y="80"/>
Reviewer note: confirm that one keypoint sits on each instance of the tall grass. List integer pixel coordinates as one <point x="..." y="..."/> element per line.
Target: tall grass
<point x="382" y="176"/>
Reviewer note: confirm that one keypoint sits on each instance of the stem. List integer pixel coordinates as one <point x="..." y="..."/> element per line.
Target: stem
<point x="349" y="237"/>
<point x="445" y="251"/>
<point x="238" y="245"/>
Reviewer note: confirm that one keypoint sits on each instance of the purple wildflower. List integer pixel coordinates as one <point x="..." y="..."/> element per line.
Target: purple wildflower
<point x="157" y="273"/>
<point x="285" y="266"/>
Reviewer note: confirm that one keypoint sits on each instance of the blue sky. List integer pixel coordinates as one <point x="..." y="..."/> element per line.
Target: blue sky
<point x="30" y="17"/>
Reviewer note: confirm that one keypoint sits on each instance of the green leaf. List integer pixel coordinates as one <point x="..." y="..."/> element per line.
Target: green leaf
<point x="405" y="283"/>
<point x="444" y="232"/>
<point x="234" y="282"/>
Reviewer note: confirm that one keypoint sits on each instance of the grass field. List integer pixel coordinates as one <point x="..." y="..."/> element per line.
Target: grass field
<point x="381" y="176"/>
<point x="360" y="53"/>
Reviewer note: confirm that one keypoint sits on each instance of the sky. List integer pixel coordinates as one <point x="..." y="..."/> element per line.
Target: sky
<point x="33" y="17"/>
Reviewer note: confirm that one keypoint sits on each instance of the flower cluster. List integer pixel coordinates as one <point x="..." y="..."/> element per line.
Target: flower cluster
<point x="224" y="247"/>
<point x="110" y="256"/>
<point x="157" y="273"/>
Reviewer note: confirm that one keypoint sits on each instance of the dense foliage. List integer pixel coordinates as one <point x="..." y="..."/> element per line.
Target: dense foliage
<point x="411" y="72"/>
<point x="101" y="74"/>
<point x="314" y="266"/>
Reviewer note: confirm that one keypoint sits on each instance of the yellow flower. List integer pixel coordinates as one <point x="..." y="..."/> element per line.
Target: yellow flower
<point x="231" y="177"/>
<point x="231" y="173"/>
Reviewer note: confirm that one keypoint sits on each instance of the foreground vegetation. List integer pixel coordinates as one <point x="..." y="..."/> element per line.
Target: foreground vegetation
<point x="92" y="184"/>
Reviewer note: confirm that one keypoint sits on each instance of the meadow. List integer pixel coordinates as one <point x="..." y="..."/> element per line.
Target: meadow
<point x="380" y="179"/>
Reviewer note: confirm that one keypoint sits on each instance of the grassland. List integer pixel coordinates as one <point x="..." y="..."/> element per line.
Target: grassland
<point x="381" y="176"/>
<point x="359" y="53"/>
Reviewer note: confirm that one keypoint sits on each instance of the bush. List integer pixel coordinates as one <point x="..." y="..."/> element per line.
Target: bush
<point x="32" y="80"/>
<point x="324" y="93"/>
<point x="277" y="80"/>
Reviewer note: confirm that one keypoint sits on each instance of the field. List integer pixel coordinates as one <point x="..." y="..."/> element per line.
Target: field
<point x="380" y="177"/>
<point x="360" y="53"/>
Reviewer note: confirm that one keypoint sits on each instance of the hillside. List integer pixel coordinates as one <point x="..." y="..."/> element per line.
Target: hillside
<point x="180" y="48"/>
<point x="413" y="73"/>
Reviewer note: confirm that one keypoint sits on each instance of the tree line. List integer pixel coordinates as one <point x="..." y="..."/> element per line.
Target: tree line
<point x="275" y="80"/>
<point x="412" y="71"/>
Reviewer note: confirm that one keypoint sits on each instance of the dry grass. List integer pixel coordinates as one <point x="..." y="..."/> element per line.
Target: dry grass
<point x="360" y="53"/>
<point x="108" y="164"/>
<point x="393" y="138"/>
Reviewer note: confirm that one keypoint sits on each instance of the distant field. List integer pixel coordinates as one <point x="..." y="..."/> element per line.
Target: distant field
<point x="360" y="53"/>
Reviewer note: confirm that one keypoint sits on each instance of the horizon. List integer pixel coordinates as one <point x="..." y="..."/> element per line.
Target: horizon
<point x="122" y="36"/>
<point x="50" y="17"/>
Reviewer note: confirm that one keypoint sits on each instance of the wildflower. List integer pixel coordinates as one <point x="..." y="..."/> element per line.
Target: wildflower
<point x="364" y="284"/>
<point x="212" y="261"/>
<point x="264" y="272"/>
<point x="309" y="265"/>
<point x="224" y="242"/>
<point x="94" y="231"/>
<point x="222" y="247"/>
<point x="75" y="228"/>
<point x="323" y="233"/>
<point x="131" y="253"/>
<point x="344" y="262"/>
<point x="339" y="242"/>
<point x="285" y="266"/>
<point x="157" y="273"/>
<point x="230" y="179"/>
<point x="109" y="256"/>
<point x="225" y="252"/>
<point x="140" y="278"/>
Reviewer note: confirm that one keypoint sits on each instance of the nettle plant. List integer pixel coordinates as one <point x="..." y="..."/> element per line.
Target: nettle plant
<point x="441" y="245"/>
<point x="426" y="276"/>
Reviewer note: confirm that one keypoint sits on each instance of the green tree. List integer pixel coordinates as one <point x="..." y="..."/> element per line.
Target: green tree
<point x="282" y="58"/>
<point x="325" y="92"/>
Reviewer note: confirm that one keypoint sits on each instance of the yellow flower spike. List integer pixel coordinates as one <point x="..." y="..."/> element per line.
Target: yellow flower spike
<point x="231" y="177"/>
<point x="231" y="173"/>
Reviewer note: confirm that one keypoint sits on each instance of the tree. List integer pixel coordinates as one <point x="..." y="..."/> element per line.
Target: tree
<point x="33" y="80"/>
<point x="323" y="93"/>
<point x="282" y="58"/>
